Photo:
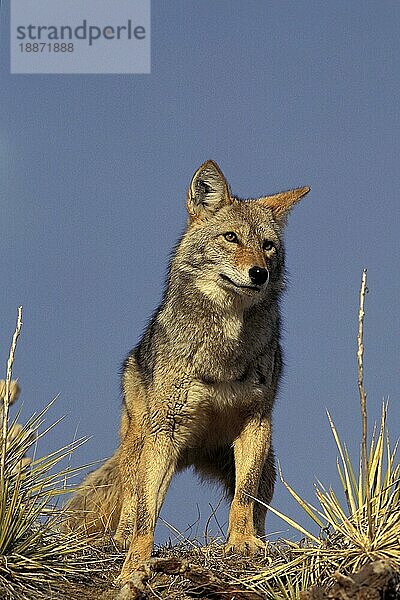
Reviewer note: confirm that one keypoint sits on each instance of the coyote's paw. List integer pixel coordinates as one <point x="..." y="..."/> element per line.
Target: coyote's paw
<point x="137" y="558"/>
<point x="247" y="545"/>
<point x="133" y="585"/>
<point x="14" y="390"/>
<point x="130" y="572"/>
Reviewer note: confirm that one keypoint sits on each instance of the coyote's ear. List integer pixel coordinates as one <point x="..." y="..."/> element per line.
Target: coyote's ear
<point x="208" y="191"/>
<point x="282" y="203"/>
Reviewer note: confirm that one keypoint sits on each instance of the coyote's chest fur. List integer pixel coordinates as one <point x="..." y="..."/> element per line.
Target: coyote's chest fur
<point x="215" y="412"/>
<point x="203" y="382"/>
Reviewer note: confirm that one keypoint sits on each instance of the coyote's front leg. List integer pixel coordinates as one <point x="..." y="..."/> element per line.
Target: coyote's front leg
<point x="250" y="450"/>
<point x="146" y="467"/>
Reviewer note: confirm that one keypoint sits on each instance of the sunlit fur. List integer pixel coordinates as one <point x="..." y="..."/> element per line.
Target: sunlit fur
<point x="200" y="386"/>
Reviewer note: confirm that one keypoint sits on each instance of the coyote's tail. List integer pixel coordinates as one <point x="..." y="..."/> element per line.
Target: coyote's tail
<point x="95" y="508"/>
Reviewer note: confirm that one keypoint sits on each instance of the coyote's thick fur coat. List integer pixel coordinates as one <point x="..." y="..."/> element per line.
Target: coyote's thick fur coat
<point x="200" y="386"/>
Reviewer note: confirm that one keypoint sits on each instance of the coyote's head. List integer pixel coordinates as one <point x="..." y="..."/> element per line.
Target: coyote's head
<point x="233" y="248"/>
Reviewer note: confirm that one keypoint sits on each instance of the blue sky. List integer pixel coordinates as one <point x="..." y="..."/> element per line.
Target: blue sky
<point x="94" y="171"/>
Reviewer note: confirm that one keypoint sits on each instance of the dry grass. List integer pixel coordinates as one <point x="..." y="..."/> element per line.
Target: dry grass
<point x="37" y="560"/>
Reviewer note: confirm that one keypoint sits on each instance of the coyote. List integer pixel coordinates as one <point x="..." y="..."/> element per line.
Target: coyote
<point x="199" y="387"/>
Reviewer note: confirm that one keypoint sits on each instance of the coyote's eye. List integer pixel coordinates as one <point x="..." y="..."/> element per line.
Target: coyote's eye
<point x="231" y="236"/>
<point x="268" y="246"/>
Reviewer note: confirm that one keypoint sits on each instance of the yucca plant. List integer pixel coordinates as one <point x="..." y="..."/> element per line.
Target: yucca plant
<point x="360" y="526"/>
<point x="37" y="559"/>
<point x="346" y="542"/>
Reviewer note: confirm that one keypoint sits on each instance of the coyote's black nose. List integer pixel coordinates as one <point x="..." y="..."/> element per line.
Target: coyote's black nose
<point x="258" y="275"/>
